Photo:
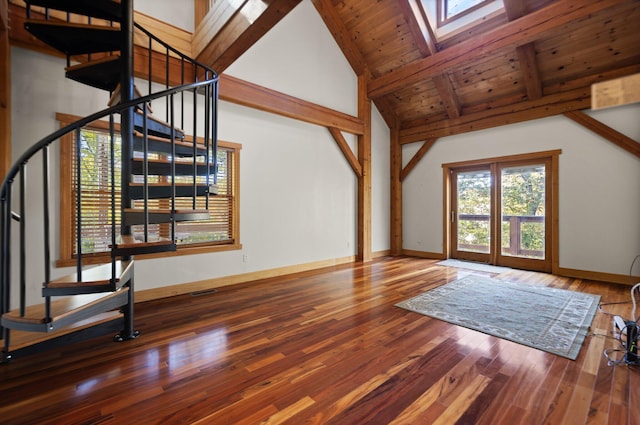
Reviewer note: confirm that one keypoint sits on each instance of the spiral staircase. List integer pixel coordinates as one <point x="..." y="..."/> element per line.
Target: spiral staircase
<point x="97" y="36"/>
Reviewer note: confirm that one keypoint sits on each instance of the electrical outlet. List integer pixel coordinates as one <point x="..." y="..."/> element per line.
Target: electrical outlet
<point x="245" y="258"/>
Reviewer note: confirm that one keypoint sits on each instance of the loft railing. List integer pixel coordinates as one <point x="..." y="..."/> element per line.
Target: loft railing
<point x="514" y="248"/>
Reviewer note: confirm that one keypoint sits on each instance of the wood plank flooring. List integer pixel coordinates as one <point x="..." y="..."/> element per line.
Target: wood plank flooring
<point x="325" y="347"/>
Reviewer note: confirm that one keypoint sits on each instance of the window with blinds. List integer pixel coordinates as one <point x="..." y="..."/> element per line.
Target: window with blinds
<point x="96" y="198"/>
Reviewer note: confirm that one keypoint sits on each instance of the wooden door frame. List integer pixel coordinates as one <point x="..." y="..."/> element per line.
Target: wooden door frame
<point x="552" y="250"/>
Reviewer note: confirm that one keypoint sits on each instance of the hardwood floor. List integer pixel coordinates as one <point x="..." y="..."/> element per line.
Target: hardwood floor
<point x="324" y="347"/>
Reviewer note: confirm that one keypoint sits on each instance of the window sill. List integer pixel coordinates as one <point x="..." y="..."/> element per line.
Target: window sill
<point x="104" y="258"/>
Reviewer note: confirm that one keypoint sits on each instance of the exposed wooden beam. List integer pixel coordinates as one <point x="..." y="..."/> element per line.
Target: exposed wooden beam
<point x="448" y="95"/>
<point x="395" y="162"/>
<point x="342" y="36"/>
<point x="424" y="38"/>
<point x="252" y="95"/>
<point x="521" y="31"/>
<point x="526" y="53"/>
<point x="346" y="150"/>
<point x="417" y="157"/>
<point x="212" y="21"/>
<point x="565" y="97"/>
<point x="420" y="30"/>
<point x="532" y="109"/>
<point x="364" y="182"/>
<point x="529" y="69"/>
<point x="608" y="133"/>
<point x="200" y="9"/>
<point x="254" y="19"/>
<point x="515" y="9"/>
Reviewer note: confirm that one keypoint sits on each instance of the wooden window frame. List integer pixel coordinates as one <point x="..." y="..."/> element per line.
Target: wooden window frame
<point x="67" y="233"/>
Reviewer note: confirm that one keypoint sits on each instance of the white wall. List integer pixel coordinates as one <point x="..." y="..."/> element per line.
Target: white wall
<point x="179" y="14"/>
<point x="298" y="194"/>
<point x="599" y="205"/>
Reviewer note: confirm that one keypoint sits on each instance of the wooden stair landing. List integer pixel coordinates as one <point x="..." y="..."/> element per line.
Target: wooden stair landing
<point x="65" y="312"/>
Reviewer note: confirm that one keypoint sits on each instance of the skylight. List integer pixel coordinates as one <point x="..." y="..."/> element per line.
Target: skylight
<point x="449" y="16"/>
<point x="452" y="9"/>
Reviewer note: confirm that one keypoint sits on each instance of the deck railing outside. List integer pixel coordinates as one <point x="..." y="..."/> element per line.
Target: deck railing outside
<point x="512" y="240"/>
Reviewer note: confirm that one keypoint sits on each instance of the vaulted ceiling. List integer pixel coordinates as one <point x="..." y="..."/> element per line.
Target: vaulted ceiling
<point x="530" y="59"/>
<point x="527" y="60"/>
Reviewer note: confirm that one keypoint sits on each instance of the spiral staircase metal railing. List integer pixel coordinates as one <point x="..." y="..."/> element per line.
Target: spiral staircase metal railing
<point x="97" y="37"/>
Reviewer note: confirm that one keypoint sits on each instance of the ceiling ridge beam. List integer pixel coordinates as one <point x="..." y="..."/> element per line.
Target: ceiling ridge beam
<point x="512" y="34"/>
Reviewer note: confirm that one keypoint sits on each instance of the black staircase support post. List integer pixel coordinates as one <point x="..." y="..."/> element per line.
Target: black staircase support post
<point x="126" y="94"/>
<point x="5" y="268"/>
<point x="126" y="133"/>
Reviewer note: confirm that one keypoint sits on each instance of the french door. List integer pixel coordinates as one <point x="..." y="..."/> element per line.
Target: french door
<point x="499" y="213"/>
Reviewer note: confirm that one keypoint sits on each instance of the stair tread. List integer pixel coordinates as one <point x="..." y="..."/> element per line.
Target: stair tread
<point x="22" y="339"/>
<point x="75" y="39"/>
<point x="102" y="73"/>
<point x="129" y="241"/>
<point x="164" y="139"/>
<point x="163" y="215"/>
<point x="179" y="132"/>
<point x="179" y="161"/>
<point x="99" y="275"/>
<point x="168" y="184"/>
<point x="104" y="9"/>
<point x="94" y="62"/>
<point x="60" y="308"/>
<point x="166" y="211"/>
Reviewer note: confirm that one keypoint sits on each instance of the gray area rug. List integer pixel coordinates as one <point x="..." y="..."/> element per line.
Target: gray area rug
<point x="470" y="265"/>
<point x="549" y="319"/>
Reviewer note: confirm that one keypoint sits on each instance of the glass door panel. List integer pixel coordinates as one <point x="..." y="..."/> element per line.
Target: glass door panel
<point x="498" y="213"/>
<point x="471" y="215"/>
<point x="522" y="210"/>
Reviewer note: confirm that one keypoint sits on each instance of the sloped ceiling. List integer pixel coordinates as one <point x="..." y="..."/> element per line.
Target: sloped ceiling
<point x="531" y="59"/>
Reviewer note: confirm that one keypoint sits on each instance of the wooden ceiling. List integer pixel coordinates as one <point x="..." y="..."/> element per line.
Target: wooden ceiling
<point x="532" y="59"/>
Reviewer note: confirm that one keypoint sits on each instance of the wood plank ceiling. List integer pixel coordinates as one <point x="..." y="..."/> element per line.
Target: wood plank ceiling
<point x="533" y="59"/>
<point x="528" y="60"/>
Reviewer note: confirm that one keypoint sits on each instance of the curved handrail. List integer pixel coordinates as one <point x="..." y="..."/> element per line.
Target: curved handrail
<point x="204" y="80"/>
<point x="24" y="158"/>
